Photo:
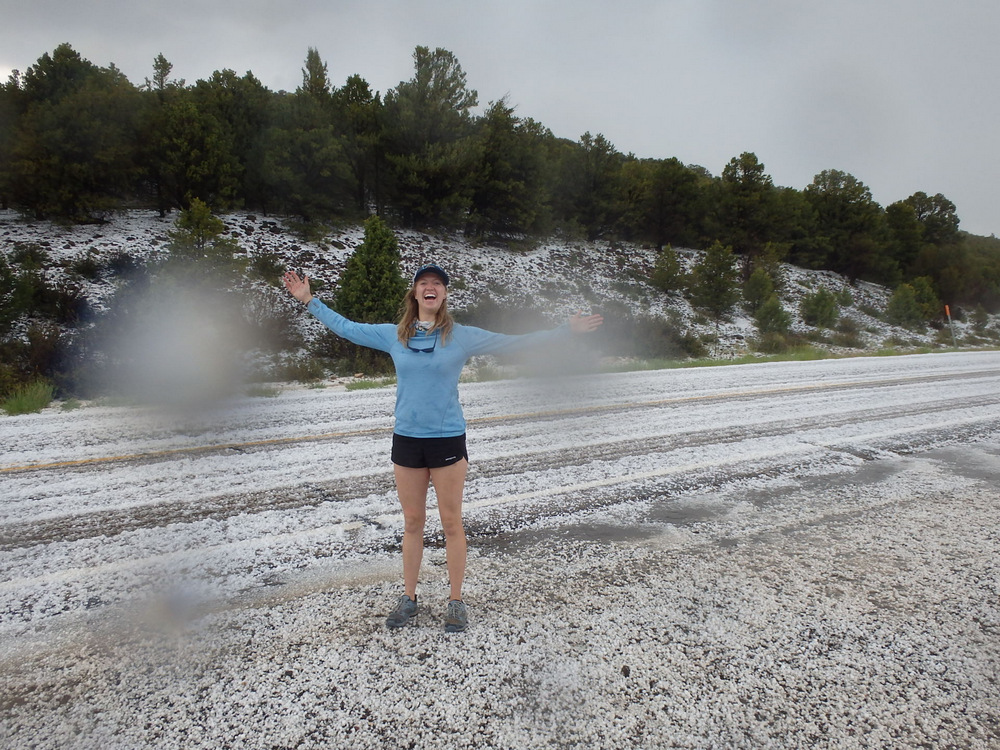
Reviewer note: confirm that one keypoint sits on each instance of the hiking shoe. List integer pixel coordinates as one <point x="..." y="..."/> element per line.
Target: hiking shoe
<point x="406" y="608"/>
<point x="457" y="618"/>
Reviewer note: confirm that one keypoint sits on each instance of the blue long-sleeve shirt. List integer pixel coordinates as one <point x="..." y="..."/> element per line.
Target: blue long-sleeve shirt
<point x="427" y="402"/>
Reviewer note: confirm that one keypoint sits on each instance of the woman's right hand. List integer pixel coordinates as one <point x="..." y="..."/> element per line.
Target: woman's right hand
<point x="298" y="287"/>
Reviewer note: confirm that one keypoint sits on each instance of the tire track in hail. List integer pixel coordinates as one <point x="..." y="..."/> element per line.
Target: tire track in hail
<point x="311" y="494"/>
<point x="609" y="409"/>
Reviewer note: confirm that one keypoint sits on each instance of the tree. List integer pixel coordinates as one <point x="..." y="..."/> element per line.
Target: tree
<point x="362" y="137"/>
<point x="674" y="204"/>
<point x="586" y="193"/>
<point x="668" y="274"/>
<point x="771" y="317"/>
<point x="715" y="281"/>
<point x="243" y="109"/>
<point x="852" y="225"/>
<point x="746" y="206"/>
<point x="315" y="80"/>
<point x="758" y="289"/>
<point x="930" y="306"/>
<point x="904" y="309"/>
<point x="936" y="216"/>
<point x="906" y="234"/>
<point x="305" y="167"/>
<point x="820" y="308"/>
<point x="72" y="151"/>
<point x="198" y="240"/>
<point x="161" y="82"/>
<point x="429" y="150"/>
<point x="505" y="194"/>
<point x="372" y="287"/>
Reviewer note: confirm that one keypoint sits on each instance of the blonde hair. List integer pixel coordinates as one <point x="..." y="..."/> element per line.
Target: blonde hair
<point x="409" y="314"/>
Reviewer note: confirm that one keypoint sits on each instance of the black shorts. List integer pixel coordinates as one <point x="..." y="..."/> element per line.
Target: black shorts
<point x="428" y="453"/>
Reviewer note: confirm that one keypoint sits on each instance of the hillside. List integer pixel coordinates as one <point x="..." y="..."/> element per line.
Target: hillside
<point x="545" y="283"/>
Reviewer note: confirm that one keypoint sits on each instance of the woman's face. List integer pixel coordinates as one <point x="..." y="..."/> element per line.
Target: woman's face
<point x="430" y="292"/>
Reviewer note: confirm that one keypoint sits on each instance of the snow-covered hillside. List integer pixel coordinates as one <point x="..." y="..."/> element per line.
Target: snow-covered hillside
<point x="554" y="278"/>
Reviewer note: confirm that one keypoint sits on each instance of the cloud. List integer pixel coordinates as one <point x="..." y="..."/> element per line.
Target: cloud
<point x="897" y="92"/>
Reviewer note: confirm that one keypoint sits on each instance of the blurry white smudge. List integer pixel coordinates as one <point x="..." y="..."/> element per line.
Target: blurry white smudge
<point x="180" y="349"/>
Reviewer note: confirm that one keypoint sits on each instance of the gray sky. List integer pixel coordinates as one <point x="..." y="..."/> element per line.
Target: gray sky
<point x="903" y="94"/>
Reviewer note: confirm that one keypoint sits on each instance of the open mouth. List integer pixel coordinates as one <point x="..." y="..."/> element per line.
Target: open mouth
<point x="430" y="295"/>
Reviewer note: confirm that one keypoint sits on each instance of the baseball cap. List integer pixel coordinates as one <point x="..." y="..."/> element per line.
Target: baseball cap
<point x="431" y="268"/>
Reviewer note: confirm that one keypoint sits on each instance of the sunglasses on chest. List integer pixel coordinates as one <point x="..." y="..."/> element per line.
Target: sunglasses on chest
<point x="422" y="343"/>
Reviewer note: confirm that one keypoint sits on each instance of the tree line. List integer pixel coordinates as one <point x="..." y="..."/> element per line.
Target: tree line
<point x="79" y="142"/>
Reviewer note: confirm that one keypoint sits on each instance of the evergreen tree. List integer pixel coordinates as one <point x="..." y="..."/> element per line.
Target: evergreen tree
<point x="430" y="152"/>
<point x="505" y="183"/>
<point x="372" y="287"/>
<point x="758" y="289"/>
<point x="930" y="306"/>
<point x="361" y="111"/>
<point x="820" y="308"/>
<point x="199" y="238"/>
<point x="771" y="317"/>
<point x="852" y="225"/>
<point x="715" y="281"/>
<point x="904" y="309"/>
<point x="668" y="274"/>
<point x="72" y="152"/>
<point x="315" y="80"/>
<point x="747" y="205"/>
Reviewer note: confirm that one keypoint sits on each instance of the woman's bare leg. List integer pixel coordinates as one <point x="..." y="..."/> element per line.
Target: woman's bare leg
<point x="449" y="486"/>
<point x="411" y="485"/>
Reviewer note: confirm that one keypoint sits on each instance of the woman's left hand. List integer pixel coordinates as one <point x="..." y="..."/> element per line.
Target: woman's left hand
<point x="581" y="323"/>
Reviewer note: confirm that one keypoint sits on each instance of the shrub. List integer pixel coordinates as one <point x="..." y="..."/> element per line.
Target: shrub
<point x="904" y="309"/>
<point x="820" y="309"/>
<point x="771" y="343"/>
<point x="758" y="289"/>
<point x="771" y="316"/>
<point x="714" y="284"/>
<point x="266" y="266"/>
<point x="668" y="276"/>
<point x="29" y="398"/>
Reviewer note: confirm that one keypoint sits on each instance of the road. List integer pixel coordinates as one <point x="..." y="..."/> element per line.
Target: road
<point x="108" y="493"/>
<point x="107" y="511"/>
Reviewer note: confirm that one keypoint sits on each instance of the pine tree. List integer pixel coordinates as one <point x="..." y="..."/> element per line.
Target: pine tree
<point x="771" y="317"/>
<point x="200" y="237"/>
<point x="715" y="281"/>
<point x="372" y="287"/>
<point x="904" y="309"/>
<point x="820" y="308"/>
<point x="668" y="275"/>
<point x="758" y="289"/>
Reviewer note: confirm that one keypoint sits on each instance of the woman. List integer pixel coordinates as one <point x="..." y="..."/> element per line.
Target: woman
<point x="429" y="351"/>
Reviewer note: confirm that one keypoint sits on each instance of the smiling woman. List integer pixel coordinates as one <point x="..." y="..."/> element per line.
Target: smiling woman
<point x="429" y="351"/>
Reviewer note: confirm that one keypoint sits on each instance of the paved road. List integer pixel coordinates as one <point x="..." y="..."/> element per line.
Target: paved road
<point x="759" y="556"/>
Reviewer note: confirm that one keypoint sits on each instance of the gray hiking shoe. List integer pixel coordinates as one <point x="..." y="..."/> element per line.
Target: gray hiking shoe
<point x="457" y="618"/>
<point x="406" y="608"/>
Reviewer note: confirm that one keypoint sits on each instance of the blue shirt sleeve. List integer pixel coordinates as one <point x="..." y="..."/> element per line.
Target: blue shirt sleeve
<point x="373" y="335"/>
<point x="478" y="341"/>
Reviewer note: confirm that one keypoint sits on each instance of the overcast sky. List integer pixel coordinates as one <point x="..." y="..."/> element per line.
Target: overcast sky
<point x="902" y="94"/>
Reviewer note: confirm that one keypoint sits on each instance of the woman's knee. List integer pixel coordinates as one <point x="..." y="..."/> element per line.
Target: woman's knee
<point x="414" y="522"/>
<point x="452" y="527"/>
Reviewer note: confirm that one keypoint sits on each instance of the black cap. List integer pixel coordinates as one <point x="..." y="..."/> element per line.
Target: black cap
<point x="431" y="268"/>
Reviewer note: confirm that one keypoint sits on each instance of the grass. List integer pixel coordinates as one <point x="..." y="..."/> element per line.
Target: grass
<point x="363" y="385"/>
<point x="29" y="399"/>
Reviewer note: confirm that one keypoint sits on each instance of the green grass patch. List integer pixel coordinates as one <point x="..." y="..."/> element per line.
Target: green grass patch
<point x="29" y="399"/>
<point x="365" y="385"/>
